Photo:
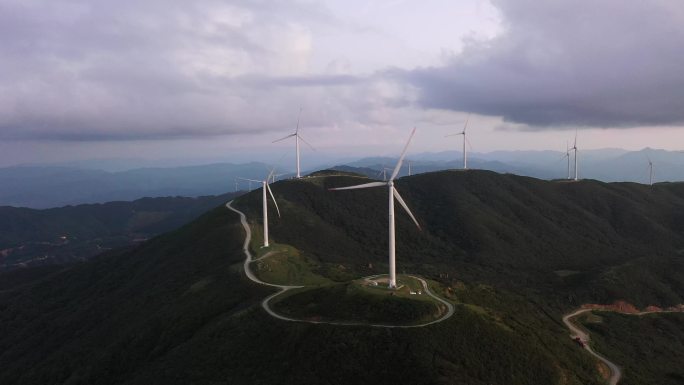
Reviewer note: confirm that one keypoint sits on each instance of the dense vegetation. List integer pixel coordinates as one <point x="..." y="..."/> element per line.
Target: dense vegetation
<point x="511" y="252"/>
<point x="349" y="303"/>
<point x="648" y="347"/>
<point x="560" y="243"/>
<point x="66" y="234"/>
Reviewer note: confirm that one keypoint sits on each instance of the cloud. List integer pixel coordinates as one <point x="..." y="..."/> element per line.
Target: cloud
<point x="121" y="70"/>
<point x="604" y="63"/>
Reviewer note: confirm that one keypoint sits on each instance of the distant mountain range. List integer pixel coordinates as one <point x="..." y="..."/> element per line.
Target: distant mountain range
<point x="608" y="165"/>
<point x="44" y="187"/>
<point x="30" y="237"/>
<point x="83" y="182"/>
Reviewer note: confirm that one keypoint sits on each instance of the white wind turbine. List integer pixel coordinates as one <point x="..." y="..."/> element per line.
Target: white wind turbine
<point x="650" y="173"/>
<point x="384" y="173"/>
<point x="567" y="155"/>
<point x="574" y="148"/>
<point x="465" y="139"/>
<point x="393" y="193"/>
<point x="265" y="186"/>
<point x="297" y="137"/>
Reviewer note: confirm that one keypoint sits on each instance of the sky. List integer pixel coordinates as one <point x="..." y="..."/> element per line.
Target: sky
<point x="220" y="80"/>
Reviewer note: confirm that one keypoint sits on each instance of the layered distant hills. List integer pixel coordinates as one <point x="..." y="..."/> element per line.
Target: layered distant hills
<point x="511" y="253"/>
<point x="88" y="182"/>
<point x="45" y="187"/>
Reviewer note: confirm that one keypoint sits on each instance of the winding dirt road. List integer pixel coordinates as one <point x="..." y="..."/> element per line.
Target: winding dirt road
<point x="615" y="372"/>
<point x="283" y="288"/>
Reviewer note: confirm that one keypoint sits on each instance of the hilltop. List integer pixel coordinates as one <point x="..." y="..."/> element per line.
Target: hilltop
<point x="512" y="253"/>
<point x="568" y="243"/>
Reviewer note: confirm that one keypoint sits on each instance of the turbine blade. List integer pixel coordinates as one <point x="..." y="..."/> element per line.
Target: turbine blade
<point x="403" y="154"/>
<point x="403" y="204"/>
<point x="466" y="124"/>
<point x="468" y="141"/>
<point x="289" y="136"/>
<point x="250" y="180"/>
<point x="365" y="185"/>
<point x="270" y="174"/>
<point x="272" y="197"/>
<point x="460" y="133"/>
<point x="575" y="145"/>
<point x="298" y="117"/>
<point x="307" y="143"/>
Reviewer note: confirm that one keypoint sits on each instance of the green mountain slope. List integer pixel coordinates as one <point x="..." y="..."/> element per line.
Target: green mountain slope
<point x="66" y="234"/>
<point x="565" y="243"/>
<point x="648" y="347"/>
<point x="178" y="309"/>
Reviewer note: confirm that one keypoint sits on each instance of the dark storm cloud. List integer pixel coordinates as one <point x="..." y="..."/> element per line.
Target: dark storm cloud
<point x="603" y="63"/>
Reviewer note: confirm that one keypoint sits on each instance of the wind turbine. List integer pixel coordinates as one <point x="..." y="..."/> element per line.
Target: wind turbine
<point x="574" y="148"/>
<point x="393" y="193"/>
<point x="409" y="167"/>
<point x="384" y="173"/>
<point x="465" y="139"/>
<point x="265" y="186"/>
<point x="567" y="155"/>
<point x="297" y="137"/>
<point x="650" y="174"/>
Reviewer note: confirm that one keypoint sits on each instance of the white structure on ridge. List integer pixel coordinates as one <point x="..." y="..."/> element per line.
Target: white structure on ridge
<point x="297" y="137"/>
<point x="265" y="186"/>
<point x="393" y="193"/>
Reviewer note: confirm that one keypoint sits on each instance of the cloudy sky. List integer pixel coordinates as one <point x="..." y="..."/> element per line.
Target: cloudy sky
<point x="86" y="79"/>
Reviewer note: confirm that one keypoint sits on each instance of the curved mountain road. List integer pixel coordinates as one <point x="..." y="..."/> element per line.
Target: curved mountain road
<point x="283" y="288"/>
<point x="615" y="372"/>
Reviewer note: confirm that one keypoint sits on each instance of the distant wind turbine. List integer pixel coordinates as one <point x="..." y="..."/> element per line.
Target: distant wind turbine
<point x="384" y="173"/>
<point x="574" y="148"/>
<point x="465" y="139"/>
<point x="650" y="173"/>
<point x="265" y="186"/>
<point x="567" y="155"/>
<point x="393" y="193"/>
<point x="297" y="137"/>
<point x="409" y="167"/>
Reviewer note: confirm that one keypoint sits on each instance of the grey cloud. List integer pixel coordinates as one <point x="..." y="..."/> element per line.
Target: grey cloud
<point x="299" y="81"/>
<point x="604" y="63"/>
<point x="120" y="70"/>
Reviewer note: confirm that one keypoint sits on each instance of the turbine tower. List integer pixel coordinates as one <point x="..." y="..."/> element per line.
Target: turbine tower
<point x="650" y="173"/>
<point x="574" y="148"/>
<point x="265" y="186"/>
<point x="567" y="155"/>
<point x="393" y="193"/>
<point x="297" y="137"/>
<point x="465" y="139"/>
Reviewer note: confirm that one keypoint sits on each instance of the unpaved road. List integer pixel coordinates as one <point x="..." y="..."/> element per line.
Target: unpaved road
<point x="615" y="372"/>
<point x="283" y="288"/>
